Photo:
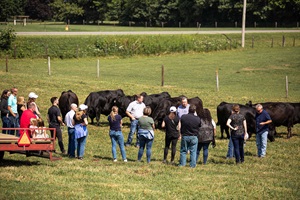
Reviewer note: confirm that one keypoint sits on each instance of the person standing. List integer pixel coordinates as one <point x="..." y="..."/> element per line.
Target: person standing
<point x="135" y="111"/>
<point x="26" y="117"/>
<point x="81" y="132"/>
<point x="262" y="119"/>
<point x="237" y="123"/>
<point x="4" y="110"/>
<point x="206" y="134"/>
<point x="71" y="130"/>
<point x="183" y="109"/>
<point x="32" y="98"/>
<point x="21" y="106"/>
<point x="190" y="125"/>
<point x="115" y="133"/>
<point x="172" y="124"/>
<point x="13" y="111"/>
<point x="146" y="134"/>
<point x="55" y="121"/>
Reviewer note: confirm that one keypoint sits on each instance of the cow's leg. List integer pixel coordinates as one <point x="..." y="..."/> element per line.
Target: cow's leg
<point x="227" y="132"/>
<point x="222" y="131"/>
<point x="289" y="134"/>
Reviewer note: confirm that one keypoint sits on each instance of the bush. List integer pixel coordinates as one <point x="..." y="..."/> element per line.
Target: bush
<point x="7" y="36"/>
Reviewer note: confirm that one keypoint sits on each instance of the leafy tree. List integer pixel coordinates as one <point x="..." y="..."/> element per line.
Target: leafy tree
<point x="65" y="10"/>
<point x="39" y="9"/>
<point x="10" y="8"/>
<point x="7" y="36"/>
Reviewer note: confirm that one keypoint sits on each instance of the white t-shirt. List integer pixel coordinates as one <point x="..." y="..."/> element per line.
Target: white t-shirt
<point x="136" y="109"/>
<point x="69" y="118"/>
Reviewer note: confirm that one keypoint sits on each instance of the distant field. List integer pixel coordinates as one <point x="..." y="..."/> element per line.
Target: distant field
<point x="60" y="27"/>
<point x="256" y="74"/>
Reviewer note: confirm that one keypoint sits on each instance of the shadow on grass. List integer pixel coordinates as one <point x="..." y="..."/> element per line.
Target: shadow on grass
<point x="17" y="163"/>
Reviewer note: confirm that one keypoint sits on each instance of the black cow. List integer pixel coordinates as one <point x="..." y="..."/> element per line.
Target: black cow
<point x="65" y="101"/>
<point x="101" y="102"/>
<point x="123" y="102"/>
<point x="163" y="108"/>
<point x="153" y="100"/>
<point x="224" y="110"/>
<point x="282" y="114"/>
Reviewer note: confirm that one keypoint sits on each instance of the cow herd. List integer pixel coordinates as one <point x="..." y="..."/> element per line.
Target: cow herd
<point x="101" y="102"/>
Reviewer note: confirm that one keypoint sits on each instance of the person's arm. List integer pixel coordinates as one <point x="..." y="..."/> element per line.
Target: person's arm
<point x="59" y="119"/>
<point x="266" y="122"/>
<point x="85" y="121"/>
<point x="228" y="124"/>
<point x="245" y="126"/>
<point x="130" y="115"/>
<point x="3" y="107"/>
<point x="163" y="124"/>
<point x="121" y="123"/>
<point x="10" y="111"/>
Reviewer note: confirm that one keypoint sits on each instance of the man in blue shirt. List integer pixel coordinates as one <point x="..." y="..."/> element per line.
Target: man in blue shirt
<point x="262" y="119"/>
<point x="13" y="111"/>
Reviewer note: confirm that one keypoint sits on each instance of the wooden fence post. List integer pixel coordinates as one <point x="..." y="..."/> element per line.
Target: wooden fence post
<point x="272" y="42"/>
<point x="77" y="51"/>
<point x="217" y="80"/>
<point x="162" y="75"/>
<point x="283" y="41"/>
<point x="252" y="41"/>
<point x="15" y="51"/>
<point x="216" y="24"/>
<point x="179" y="24"/>
<point x="49" y="66"/>
<point x="294" y="41"/>
<point x="286" y="86"/>
<point x="98" y="68"/>
<point x="235" y="24"/>
<point x="6" y="63"/>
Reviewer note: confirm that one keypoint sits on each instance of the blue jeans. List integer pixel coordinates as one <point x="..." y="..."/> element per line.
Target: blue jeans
<point x="238" y="144"/>
<point x="205" y="151"/>
<point x="148" y="143"/>
<point x="230" y="149"/>
<point x="5" y="123"/>
<point x="71" y="146"/>
<point x="80" y="143"/>
<point x="14" y="123"/>
<point x="133" y="129"/>
<point x="117" y="138"/>
<point x="261" y="143"/>
<point x="188" y="143"/>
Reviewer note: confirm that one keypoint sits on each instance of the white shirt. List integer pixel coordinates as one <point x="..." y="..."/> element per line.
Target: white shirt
<point x="136" y="109"/>
<point x="69" y="118"/>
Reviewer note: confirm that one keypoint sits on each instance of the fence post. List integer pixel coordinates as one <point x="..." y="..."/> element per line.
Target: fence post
<point x="275" y="24"/>
<point x="197" y="24"/>
<point x="252" y="41"/>
<point x="49" y="66"/>
<point x="46" y="50"/>
<point x="254" y="24"/>
<point x="217" y="80"/>
<point x="272" y="42"/>
<point x="286" y="86"/>
<point x="6" y="63"/>
<point x="216" y="24"/>
<point x="297" y="24"/>
<point x="235" y="24"/>
<point x="294" y="41"/>
<point x="146" y="25"/>
<point x="98" y="68"/>
<point x="283" y="41"/>
<point x="15" y="51"/>
<point x="179" y="24"/>
<point x="77" y="51"/>
<point x="162" y="75"/>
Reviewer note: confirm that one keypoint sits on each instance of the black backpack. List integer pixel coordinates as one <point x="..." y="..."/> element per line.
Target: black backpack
<point x="206" y="132"/>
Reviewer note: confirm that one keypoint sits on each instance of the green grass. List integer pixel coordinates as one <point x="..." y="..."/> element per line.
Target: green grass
<point x="245" y="74"/>
<point x="60" y="27"/>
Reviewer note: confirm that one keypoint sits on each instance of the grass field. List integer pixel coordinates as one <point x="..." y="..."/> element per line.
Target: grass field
<point x="59" y="27"/>
<point x="249" y="74"/>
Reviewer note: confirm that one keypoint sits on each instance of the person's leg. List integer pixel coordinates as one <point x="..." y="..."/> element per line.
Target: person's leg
<point x="258" y="144"/>
<point x="235" y="142"/>
<point x="12" y="123"/>
<point x="199" y="147"/>
<point x="183" y="151"/>
<point x="167" y="146"/>
<point x="141" y="148"/>
<point x="174" y="143"/>
<point x="121" y="145"/>
<point x="264" y="140"/>
<point x="193" y="150"/>
<point x="149" y="147"/>
<point x="113" y="138"/>
<point x="133" y="126"/>
<point x="241" y="146"/>
<point x="82" y="146"/>
<point x="60" y="139"/>
<point x="230" y="151"/>
<point x="71" y="147"/>
<point x="5" y="124"/>
<point x="205" y="152"/>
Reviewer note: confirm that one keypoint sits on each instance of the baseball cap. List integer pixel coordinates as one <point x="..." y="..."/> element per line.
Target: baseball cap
<point x="83" y="107"/>
<point x="173" y="109"/>
<point x="33" y="95"/>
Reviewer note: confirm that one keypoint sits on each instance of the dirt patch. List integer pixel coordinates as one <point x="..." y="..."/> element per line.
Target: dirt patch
<point x="265" y="68"/>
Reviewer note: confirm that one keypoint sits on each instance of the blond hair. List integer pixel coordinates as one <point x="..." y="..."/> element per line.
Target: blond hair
<point x="79" y="114"/>
<point x="33" y="121"/>
<point x="113" y="113"/>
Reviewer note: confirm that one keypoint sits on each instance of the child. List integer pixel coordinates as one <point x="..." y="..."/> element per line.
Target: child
<point x="40" y="132"/>
<point x="33" y="127"/>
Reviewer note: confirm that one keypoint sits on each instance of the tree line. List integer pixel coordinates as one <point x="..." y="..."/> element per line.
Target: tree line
<point x="155" y="12"/>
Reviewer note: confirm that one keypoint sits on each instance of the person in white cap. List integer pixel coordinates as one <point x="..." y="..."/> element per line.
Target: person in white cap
<point x="172" y="124"/>
<point x="71" y="130"/>
<point x="31" y="98"/>
<point x="81" y="132"/>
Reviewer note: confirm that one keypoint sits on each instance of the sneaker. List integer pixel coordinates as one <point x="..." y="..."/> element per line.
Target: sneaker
<point x="127" y="145"/>
<point x="115" y="160"/>
<point x="164" y="161"/>
<point x="125" y="160"/>
<point x="80" y="158"/>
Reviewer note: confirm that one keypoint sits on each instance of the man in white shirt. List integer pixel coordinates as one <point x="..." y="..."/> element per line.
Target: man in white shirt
<point x="71" y="130"/>
<point x="135" y="111"/>
<point x="183" y="109"/>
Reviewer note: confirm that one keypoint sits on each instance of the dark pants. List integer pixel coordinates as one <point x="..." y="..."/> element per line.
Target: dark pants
<point x="5" y="123"/>
<point x="238" y="144"/>
<point x="58" y="136"/>
<point x="14" y="123"/>
<point x="168" y="141"/>
<point x="71" y="146"/>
